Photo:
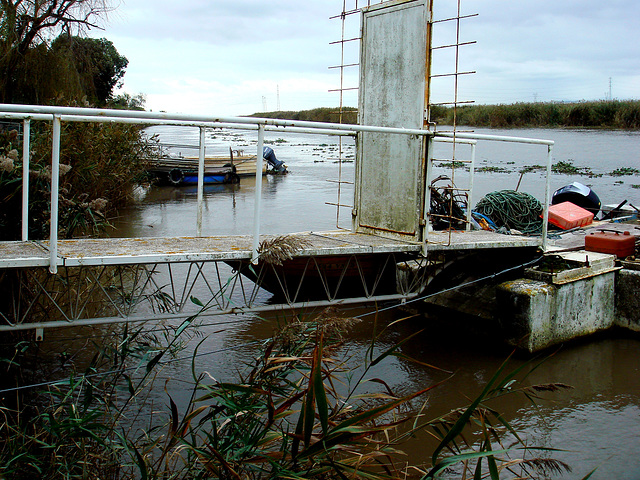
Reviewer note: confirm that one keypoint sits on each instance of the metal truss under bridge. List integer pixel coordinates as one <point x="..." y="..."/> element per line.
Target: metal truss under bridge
<point x="117" y="280"/>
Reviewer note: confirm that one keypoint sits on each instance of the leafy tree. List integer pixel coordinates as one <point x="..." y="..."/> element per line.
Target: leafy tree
<point x="124" y="101"/>
<point x="95" y="63"/>
<point x="25" y="24"/>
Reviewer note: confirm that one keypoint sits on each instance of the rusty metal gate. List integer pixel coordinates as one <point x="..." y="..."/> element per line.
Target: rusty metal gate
<point x="390" y="174"/>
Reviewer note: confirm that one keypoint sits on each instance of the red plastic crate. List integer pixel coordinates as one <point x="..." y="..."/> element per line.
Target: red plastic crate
<point x="622" y="245"/>
<point x="567" y="215"/>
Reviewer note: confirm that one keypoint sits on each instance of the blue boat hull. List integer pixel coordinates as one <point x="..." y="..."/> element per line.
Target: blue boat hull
<point x="179" y="177"/>
<point x="207" y="180"/>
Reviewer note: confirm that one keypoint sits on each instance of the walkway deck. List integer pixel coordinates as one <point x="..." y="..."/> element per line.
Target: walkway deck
<point x="130" y="251"/>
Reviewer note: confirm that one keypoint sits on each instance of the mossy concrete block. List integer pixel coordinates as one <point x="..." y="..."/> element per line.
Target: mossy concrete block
<point x="628" y="299"/>
<point x="536" y="315"/>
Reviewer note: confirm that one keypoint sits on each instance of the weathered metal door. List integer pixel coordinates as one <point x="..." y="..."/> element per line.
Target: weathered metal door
<point x="389" y="194"/>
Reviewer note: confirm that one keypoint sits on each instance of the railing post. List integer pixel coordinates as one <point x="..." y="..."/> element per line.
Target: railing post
<point x="200" y="181"/>
<point x="55" y="187"/>
<point x="472" y="169"/>
<point x="256" y="212"/>
<point x="26" y="155"/>
<point x="547" y="199"/>
<point x="427" y="194"/>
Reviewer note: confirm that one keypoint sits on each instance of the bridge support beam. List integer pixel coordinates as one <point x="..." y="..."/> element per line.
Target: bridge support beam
<point x="35" y="299"/>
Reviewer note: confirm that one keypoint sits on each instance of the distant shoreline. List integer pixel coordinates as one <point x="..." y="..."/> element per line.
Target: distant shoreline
<point x="613" y="114"/>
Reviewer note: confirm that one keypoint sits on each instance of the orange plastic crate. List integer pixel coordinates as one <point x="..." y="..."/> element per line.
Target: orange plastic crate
<point x="567" y="215"/>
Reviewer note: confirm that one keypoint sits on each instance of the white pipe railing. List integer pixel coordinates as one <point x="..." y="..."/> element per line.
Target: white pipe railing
<point x="472" y="172"/>
<point x="55" y="190"/>
<point x="531" y="141"/>
<point x="28" y="113"/>
<point x="258" y="199"/>
<point x="201" y="153"/>
<point x="495" y="138"/>
<point x="26" y="156"/>
<point x="177" y="123"/>
<point x="32" y="110"/>
<point x="547" y="198"/>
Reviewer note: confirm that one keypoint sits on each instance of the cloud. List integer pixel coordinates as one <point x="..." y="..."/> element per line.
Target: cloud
<point x="550" y="50"/>
<point x="225" y="54"/>
<point x="221" y="23"/>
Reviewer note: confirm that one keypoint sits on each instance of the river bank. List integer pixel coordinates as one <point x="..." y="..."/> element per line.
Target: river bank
<point x="605" y="114"/>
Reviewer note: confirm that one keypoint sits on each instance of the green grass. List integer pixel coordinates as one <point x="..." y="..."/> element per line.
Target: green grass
<point x="601" y="114"/>
<point x="327" y="115"/>
<point x="623" y="114"/>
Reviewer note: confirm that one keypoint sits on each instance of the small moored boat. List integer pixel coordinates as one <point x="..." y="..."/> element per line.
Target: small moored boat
<point x="217" y="169"/>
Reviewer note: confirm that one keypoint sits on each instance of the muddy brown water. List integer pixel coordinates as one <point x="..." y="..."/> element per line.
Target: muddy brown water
<point x="595" y="424"/>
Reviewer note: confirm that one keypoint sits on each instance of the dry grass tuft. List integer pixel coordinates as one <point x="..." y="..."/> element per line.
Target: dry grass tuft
<point x="278" y="249"/>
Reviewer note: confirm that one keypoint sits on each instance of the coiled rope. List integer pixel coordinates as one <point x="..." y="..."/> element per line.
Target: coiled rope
<point x="512" y="210"/>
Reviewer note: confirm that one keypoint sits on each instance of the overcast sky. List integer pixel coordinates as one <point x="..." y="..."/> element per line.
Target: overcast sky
<point x="232" y="57"/>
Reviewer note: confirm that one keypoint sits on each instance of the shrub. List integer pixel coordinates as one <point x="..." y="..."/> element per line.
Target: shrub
<point x="100" y="165"/>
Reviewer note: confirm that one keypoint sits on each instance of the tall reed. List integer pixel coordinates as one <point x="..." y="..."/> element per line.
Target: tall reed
<point x="603" y="114"/>
<point x="298" y="412"/>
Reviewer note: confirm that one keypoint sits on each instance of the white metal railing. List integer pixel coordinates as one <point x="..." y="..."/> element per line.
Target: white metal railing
<point x="501" y="138"/>
<point x="57" y="115"/>
<point x="472" y="162"/>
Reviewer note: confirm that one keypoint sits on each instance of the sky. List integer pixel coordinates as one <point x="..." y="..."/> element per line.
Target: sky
<point x="238" y="57"/>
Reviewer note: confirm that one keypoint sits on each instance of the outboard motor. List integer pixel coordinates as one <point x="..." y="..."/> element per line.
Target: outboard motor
<point x="578" y="194"/>
<point x="270" y="156"/>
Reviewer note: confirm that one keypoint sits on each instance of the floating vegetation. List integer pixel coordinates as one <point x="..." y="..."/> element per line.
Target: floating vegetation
<point x="635" y="186"/>
<point x="565" y="167"/>
<point x="454" y="164"/>
<point x="568" y="168"/>
<point x="276" y="141"/>
<point x="492" y="169"/>
<point x="532" y="168"/>
<point x="622" y="171"/>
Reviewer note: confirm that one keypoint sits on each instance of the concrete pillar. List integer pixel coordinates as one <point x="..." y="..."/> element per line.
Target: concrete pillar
<point x="535" y="314"/>
<point x="628" y="299"/>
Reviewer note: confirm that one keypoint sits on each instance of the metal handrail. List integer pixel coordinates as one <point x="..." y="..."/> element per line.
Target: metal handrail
<point x="58" y="114"/>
